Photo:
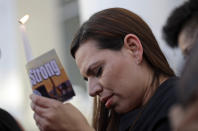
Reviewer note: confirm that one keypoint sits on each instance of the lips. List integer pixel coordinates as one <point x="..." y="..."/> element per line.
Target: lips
<point x="107" y="100"/>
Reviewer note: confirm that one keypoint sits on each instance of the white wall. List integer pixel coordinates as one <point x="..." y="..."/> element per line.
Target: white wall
<point x="11" y="91"/>
<point x="154" y="12"/>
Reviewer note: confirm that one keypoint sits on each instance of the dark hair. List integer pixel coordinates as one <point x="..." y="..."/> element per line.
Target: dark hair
<point x="109" y="27"/>
<point x="183" y="18"/>
<point x="8" y="122"/>
<point x="188" y="84"/>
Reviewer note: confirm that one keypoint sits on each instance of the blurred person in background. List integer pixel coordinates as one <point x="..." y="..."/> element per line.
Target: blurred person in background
<point x="127" y="73"/>
<point x="8" y="122"/>
<point x="184" y="115"/>
<point x="181" y="27"/>
<point x="181" y="30"/>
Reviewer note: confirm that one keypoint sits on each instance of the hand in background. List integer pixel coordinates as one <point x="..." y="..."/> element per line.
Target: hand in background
<point x="51" y="115"/>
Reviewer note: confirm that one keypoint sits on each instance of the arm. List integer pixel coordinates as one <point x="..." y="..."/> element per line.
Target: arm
<point x="51" y="114"/>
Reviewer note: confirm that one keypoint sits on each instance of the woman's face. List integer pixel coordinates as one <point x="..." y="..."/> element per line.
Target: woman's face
<point x="113" y="75"/>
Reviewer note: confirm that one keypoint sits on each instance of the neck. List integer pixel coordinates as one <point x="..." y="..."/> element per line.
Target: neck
<point x="150" y="90"/>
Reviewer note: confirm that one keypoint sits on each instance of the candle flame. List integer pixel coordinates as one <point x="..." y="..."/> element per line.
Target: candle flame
<point x="24" y="19"/>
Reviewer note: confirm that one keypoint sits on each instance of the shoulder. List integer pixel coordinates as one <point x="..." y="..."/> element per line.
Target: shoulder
<point x="155" y="114"/>
<point x="166" y="93"/>
<point x="167" y="90"/>
<point x="164" y="97"/>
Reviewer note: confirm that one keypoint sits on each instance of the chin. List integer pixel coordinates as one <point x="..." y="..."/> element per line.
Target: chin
<point x="121" y="110"/>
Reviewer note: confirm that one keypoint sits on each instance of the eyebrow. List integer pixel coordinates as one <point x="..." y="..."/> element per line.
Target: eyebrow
<point x="90" y="69"/>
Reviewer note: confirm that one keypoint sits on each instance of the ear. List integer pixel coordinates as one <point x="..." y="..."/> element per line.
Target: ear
<point x="133" y="44"/>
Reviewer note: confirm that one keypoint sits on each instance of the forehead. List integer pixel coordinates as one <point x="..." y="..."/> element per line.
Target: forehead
<point x="184" y="41"/>
<point x="87" y="54"/>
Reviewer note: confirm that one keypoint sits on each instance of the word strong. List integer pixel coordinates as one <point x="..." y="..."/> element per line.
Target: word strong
<point x="44" y="72"/>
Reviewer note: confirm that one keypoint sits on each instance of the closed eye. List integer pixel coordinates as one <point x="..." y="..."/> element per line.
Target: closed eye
<point x="85" y="78"/>
<point x="99" y="72"/>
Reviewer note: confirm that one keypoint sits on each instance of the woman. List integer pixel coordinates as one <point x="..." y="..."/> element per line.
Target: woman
<point x="127" y="73"/>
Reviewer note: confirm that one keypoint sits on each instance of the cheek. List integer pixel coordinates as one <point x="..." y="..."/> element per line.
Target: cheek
<point x="117" y="77"/>
<point x="108" y="80"/>
<point x="113" y="75"/>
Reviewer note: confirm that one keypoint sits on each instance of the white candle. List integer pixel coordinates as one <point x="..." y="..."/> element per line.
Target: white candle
<point x="26" y="44"/>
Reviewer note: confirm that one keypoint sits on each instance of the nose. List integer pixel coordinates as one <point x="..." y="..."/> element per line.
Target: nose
<point x="94" y="87"/>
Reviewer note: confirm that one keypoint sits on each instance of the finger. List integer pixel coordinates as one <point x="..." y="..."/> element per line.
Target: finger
<point x="36" y="119"/>
<point x="39" y="110"/>
<point x="40" y="122"/>
<point x="43" y="101"/>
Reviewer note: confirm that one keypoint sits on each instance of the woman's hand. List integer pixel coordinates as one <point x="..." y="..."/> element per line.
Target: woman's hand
<point x="51" y="115"/>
